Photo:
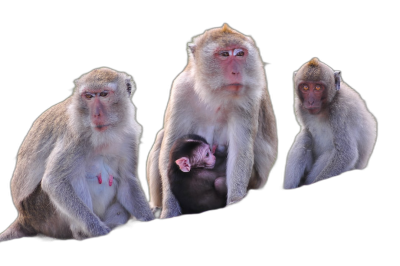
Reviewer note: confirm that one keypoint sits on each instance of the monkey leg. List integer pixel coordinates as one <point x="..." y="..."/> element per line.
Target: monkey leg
<point x="15" y="230"/>
<point x="299" y="160"/>
<point x="153" y="173"/>
<point x="220" y="186"/>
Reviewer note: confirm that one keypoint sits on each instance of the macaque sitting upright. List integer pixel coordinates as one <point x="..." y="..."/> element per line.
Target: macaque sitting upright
<point x="196" y="176"/>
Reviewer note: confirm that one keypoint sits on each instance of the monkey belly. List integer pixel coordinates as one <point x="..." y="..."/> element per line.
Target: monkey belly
<point x="322" y="137"/>
<point x="214" y="133"/>
<point x="100" y="179"/>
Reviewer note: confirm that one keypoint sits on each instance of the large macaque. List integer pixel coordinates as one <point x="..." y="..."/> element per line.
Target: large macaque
<point x="76" y="169"/>
<point x="221" y="95"/>
<point x="338" y="132"/>
<point x="196" y="177"/>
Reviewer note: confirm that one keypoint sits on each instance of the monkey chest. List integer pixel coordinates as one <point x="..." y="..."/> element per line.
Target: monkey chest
<point x="100" y="178"/>
<point x="323" y="140"/>
<point x="214" y="133"/>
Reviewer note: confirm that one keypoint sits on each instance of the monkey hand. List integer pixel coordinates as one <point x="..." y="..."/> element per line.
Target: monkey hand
<point x="155" y="210"/>
<point x="145" y="216"/>
<point x="234" y="199"/>
<point x="170" y="209"/>
<point x="98" y="229"/>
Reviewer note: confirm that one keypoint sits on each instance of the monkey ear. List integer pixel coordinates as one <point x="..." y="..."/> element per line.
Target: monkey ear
<point x="192" y="48"/>
<point x="337" y="79"/>
<point x="183" y="164"/>
<point x="130" y="85"/>
<point x="294" y="74"/>
<point x="214" y="147"/>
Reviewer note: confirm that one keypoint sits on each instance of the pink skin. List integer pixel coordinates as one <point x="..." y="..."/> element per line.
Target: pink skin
<point x="99" y="179"/>
<point x="231" y="60"/>
<point x="98" y="106"/>
<point x="214" y="148"/>
<point x="110" y="180"/>
<point x="204" y="158"/>
<point x="313" y="99"/>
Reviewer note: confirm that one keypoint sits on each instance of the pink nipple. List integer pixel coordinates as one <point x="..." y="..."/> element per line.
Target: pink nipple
<point x="110" y="180"/>
<point x="99" y="179"/>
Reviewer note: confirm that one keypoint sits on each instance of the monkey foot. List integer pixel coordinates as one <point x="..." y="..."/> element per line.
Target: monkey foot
<point x="99" y="179"/>
<point x="110" y="180"/>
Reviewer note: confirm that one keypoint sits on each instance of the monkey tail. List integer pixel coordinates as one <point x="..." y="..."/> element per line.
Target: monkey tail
<point x="15" y="230"/>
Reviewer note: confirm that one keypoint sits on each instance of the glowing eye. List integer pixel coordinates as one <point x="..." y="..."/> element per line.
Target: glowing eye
<point x="88" y="96"/>
<point x="317" y="87"/>
<point x="103" y="93"/>
<point x="225" y="54"/>
<point x="305" y="87"/>
<point x="238" y="52"/>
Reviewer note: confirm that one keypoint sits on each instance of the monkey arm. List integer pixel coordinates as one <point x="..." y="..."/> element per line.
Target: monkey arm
<point x="344" y="155"/>
<point x="176" y="124"/>
<point x="299" y="160"/>
<point x="265" y="144"/>
<point x="170" y="205"/>
<point x="153" y="172"/>
<point x="130" y="193"/>
<point x="56" y="182"/>
<point x="131" y="196"/>
<point x="240" y="156"/>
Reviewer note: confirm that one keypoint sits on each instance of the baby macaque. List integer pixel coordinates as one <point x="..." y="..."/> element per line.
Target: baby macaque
<point x="196" y="175"/>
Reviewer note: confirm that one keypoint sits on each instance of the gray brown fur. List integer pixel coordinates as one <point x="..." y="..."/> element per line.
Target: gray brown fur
<point x="338" y="139"/>
<point x="50" y="184"/>
<point x="245" y="124"/>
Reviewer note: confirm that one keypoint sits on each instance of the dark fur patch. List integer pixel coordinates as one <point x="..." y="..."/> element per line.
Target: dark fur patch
<point x="129" y="88"/>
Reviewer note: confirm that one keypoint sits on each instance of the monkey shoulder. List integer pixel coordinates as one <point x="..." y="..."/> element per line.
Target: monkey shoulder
<point x="48" y="126"/>
<point x="348" y="109"/>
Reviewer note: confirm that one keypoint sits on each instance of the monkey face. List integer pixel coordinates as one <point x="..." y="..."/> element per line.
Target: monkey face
<point x="313" y="96"/>
<point x="99" y="106"/>
<point x="231" y="61"/>
<point x="202" y="157"/>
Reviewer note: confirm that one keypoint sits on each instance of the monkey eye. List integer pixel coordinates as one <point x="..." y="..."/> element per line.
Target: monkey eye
<point x="305" y="87"/>
<point x="88" y="95"/>
<point x="317" y="87"/>
<point x="103" y="94"/>
<point x="207" y="154"/>
<point x="224" y="53"/>
<point x="238" y="52"/>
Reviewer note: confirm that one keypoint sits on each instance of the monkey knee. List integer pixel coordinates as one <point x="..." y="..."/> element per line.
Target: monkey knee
<point x="220" y="185"/>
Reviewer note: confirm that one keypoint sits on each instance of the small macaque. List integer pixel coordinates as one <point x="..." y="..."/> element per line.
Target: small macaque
<point x="197" y="179"/>
<point x="76" y="172"/>
<point x="338" y="132"/>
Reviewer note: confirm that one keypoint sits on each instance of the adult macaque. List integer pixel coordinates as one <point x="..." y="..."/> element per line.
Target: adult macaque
<point x="338" y="132"/>
<point x="221" y="95"/>
<point x="197" y="181"/>
<point x="76" y="169"/>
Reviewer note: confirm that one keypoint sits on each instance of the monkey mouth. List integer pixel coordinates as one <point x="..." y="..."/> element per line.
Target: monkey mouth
<point x="313" y="109"/>
<point x="209" y="166"/>
<point x="234" y="87"/>
<point x="101" y="128"/>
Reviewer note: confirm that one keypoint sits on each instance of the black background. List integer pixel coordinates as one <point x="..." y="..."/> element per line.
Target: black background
<point x="46" y="49"/>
